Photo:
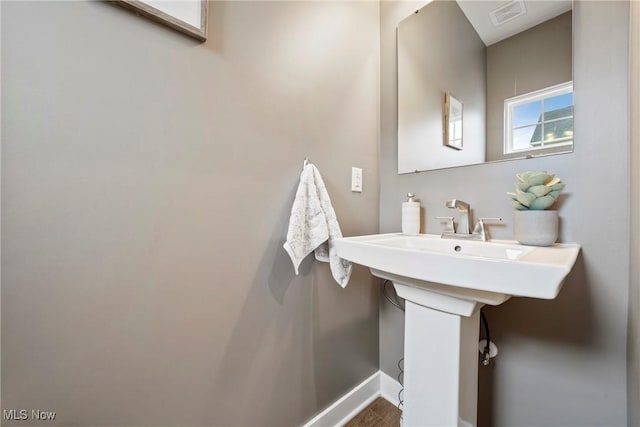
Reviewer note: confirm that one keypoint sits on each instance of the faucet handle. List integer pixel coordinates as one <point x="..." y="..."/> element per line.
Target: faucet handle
<point x="490" y="220"/>
<point x="480" y="230"/>
<point x="450" y="226"/>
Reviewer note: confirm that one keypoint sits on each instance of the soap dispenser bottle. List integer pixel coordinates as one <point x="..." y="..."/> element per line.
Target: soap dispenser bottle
<point x="411" y="216"/>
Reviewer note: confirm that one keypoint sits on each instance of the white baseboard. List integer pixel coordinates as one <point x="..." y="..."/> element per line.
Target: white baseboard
<point x="348" y="406"/>
<point x="389" y="388"/>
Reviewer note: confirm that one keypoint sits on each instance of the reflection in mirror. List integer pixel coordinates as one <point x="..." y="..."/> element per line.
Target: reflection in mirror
<point x="540" y="121"/>
<point x="452" y="122"/>
<point x="510" y="65"/>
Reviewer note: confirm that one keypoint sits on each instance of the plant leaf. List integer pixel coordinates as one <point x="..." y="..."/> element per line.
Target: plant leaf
<point x="542" y="203"/>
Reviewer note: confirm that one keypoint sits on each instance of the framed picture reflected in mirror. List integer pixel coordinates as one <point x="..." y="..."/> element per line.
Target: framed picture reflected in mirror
<point x="452" y="121"/>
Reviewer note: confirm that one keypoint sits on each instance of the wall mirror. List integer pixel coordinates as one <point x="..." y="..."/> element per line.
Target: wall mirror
<point x="508" y="65"/>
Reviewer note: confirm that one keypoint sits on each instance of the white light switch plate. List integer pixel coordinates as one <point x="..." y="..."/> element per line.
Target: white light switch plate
<point x="356" y="180"/>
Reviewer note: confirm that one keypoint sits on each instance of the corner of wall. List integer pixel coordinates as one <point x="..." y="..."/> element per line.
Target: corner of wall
<point x="633" y="349"/>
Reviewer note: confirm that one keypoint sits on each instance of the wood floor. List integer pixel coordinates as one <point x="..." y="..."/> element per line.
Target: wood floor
<point x="380" y="413"/>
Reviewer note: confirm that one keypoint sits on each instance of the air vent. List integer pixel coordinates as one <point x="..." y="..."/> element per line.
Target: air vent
<point x="507" y="12"/>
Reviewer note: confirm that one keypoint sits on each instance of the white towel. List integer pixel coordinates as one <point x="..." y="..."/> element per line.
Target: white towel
<point x="313" y="226"/>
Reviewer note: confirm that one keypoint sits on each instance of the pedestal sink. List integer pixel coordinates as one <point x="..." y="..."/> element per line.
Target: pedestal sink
<point x="445" y="283"/>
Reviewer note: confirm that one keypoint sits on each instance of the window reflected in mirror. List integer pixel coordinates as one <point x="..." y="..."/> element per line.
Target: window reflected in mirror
<point x="539" y="120"/>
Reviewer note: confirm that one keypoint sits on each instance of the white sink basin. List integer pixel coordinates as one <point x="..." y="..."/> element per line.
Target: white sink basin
<point x="487" y="272"/>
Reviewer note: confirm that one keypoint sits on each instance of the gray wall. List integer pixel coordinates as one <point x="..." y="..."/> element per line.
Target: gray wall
<point x="147" y="181"/>
<point x="532" y="60"/>
<point x="429" y="66"/>
<point x="633" y="357"/>
<point x="561" y="362"/>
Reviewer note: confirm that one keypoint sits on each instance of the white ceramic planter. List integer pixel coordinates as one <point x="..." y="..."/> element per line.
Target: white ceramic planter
<point x="535" y="228"/>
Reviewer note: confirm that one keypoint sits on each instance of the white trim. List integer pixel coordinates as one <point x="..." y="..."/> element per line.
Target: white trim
<point x="389" y="388"/>
<point x="546" y="92"/>
<point x="349" y="405"/>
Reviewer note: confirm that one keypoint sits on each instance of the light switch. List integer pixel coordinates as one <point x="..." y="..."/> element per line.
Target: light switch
<point x="356" y="180"/>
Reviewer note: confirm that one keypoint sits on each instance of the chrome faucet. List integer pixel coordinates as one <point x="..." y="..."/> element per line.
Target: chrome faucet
<point x="464" y="223"/>
<point x="462" y="231"/>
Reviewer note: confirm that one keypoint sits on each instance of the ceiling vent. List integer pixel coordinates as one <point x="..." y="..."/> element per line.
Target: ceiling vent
<point x="507" y="12"/>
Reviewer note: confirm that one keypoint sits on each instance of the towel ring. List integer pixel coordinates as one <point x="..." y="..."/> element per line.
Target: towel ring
<point x="305" y="162"/>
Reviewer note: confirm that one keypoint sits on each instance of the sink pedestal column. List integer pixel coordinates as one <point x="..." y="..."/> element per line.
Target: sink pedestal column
<point x="440" y="364"/>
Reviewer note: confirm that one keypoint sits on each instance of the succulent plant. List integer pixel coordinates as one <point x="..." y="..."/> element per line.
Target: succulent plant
<point x="536" y="191"/>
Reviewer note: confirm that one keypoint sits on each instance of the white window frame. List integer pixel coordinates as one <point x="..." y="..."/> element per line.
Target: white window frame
<point x="538" y="95"/>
